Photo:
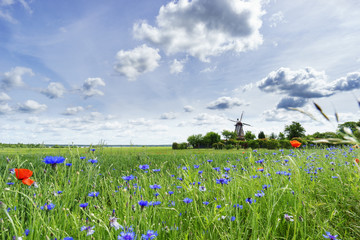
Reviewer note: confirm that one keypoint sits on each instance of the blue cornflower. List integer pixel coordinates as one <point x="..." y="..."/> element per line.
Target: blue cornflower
<point x="179" y="178"/>
<point x="27" y="231"/>
<point x="144" y="167"/>
<point x="93" y="149"/>
<point x="222" y="181"/>
<point x="259" y="194"/>
<point x="238" y="206"/>
<point x="155" y="186"/>
<point x="187" y="200"/>
<point x="250" y="200"/>
<point x="227" y="169"/>
<point x="93" y="194"/>
<point x="10" y="183"/>
<point x="156" y="170"/>
<point x="90" y="230"/>
<point x="156" y="194"/>
<point x="155" y="203"/>
<point x="328" y="235"/>
<point x="184" y="168"/>
<point x="129" y="235"/>
<point x="217" y="169"/>
<point x="53" y="160"/>
<point x="205" y="203"/>
<point x="68" y="164"/>
<point x="82" y="158"/>
<point x="68" y="238"/>
<point x="178" y="187"/>
<point x="47" y="206"/>
<point x="128" y="178"/>
<point x="171" y="192"/>
<point x="200" y="172"/>
<point x="143" y="203"/>
<point x="218" y="206"/>
<point x="233" y="219"/>
<point x="196" y="166"/>
<point x="83" y="205"/>
<point x="93" y="161"/>
<point x="150" y="234"/>
<point x="209" y="161"/>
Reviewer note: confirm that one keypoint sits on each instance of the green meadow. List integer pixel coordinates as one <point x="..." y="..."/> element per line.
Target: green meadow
<point x="304" y="193"/>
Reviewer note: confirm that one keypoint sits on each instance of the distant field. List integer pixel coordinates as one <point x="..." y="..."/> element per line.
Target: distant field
<point x="186" y="194"/>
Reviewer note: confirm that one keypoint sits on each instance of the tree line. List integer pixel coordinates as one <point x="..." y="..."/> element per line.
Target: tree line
<point x="281" y="140"/>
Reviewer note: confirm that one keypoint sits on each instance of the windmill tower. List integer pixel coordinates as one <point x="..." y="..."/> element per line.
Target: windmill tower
<point x="239" y="127"/>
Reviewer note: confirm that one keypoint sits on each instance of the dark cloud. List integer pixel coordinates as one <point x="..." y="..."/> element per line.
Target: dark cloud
<point x="303" y="83"/>
<point x="287" y="102"/>
<point x="223" y="103"/>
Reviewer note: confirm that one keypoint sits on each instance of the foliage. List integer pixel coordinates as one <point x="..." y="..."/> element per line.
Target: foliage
<point x="281" y="136"/>
<point x="294" y="130"/>
<point x="249" y="136"/>
<point x="210" y="138"/>
<point x="195" y="140"/>
<point x="261" y="135"/>
<point x="229" y="134"/>
<point x="273" y="136"/>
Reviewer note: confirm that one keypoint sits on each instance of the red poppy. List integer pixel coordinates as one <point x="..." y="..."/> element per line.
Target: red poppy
<point x="295" y="143"/>
<point x="24" y="174"/>
<point x="357" y="160"/>
<point x="261" y="169"/>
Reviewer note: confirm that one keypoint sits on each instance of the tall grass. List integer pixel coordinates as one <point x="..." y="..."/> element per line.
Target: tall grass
<point x="319" y="188"/>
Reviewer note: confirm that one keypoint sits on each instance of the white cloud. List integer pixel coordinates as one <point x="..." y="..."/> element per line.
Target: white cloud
<point x="209" y="69"/>
<point x="31" y="106"/>
<point x="207" y="119"/>
<point x="5" y="109"/>
<point x="4" y="97"/>
<point x="5" y="9"/>
<point x="188" y="108"/>
<point x="135" y="62"/>
<point x="283" y="115"/>
<point x="89" y="87"/>
<point x="225" y="103"/>
<point x="348" y="83"/>
<point x="13" y="78"/>
<point x="177" y="66"/>
<point x="167" y="116"/>
<point x="276" y="18"/>
<point x="73" y="110"/>
<point x="139" y="121"/>
<point x="306" y="83"/>
<point x="205" y="28"/>
<point x="54" y="90"/>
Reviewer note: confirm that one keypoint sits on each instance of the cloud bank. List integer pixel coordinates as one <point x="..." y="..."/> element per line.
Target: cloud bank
<point x="205" y="28"/>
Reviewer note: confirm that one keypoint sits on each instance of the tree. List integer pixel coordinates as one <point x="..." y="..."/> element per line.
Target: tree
<point x="210" y="138"/>
<point x="273" y="135"/>
<point x="195" y="140"/>
<point x="249" y="136"/>
<point x="281" y="136"/>
<point x="261" y="135"/>
<point x="294" y="130"/>
<point x="229" y="134"/>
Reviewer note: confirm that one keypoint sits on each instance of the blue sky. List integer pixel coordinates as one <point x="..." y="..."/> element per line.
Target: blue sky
<point x="156" y="72"/>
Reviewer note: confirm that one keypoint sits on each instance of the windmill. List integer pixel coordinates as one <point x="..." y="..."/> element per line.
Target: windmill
<point x="239" y="127"/>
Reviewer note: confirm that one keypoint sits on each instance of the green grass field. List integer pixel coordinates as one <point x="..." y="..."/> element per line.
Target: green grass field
<point x="236" y="194"/>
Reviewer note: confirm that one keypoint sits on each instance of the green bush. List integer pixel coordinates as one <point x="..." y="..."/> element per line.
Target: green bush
<point x="253" y="144"/>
